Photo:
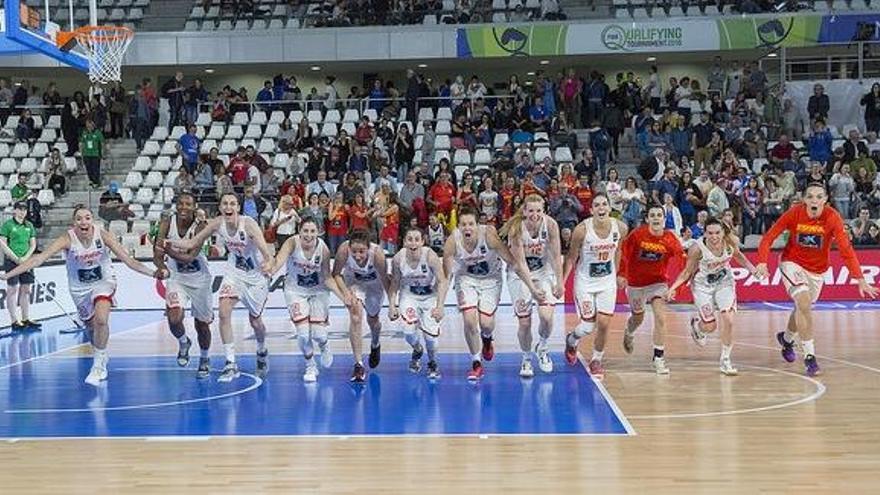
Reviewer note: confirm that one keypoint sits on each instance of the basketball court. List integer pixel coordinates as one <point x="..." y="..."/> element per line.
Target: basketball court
<point x="154" y="427"/>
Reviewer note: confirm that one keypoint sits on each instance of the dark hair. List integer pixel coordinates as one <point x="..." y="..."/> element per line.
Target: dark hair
<point x="308" y="219"/>
<point x="816" y="184"/>
<point x="412" y="228"/>
<point x="80" y="206"/>
<point x="468" y="210"/>
<point x="360" y="236"/>
<point x="182" y="194"/>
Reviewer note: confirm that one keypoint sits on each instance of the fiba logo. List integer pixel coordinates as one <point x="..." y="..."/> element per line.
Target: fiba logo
<point x="614" y="37"/>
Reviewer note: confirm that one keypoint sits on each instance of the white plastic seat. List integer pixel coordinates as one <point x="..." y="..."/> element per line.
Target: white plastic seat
<point x="4" y="150"/>
<point x="272" y="131"/>
<point x="266" y="146"/>
<point x="20" y="150"/>
<point x="204" y="119"/>
<point x="444" y="113"/>
<point x="155" y="212"/>
<point x="563" y="154"/>
<point x="329" y="130"/>
<point x="234" y="132"/>
<point x="118" y="227"/>
<point x="170" y="177"/>
<point x="440" y="154"/>
<point x="332" y="117"/>
<point x="441" y="142"/>
<point x="151" y="148"/>
<point x="133" y="180"/>
<point x="443" y="127"/>
<point x="216" y="132"/>
<point x="153" y="179"/>
<point x="426" y="113"/>
<point x="54" y="122"/>
<point x="482" y="156"/>
<point x="28" y="166"/>
<point x="349" y="128"/>
<point x="280" y="161"/>
<point x="500" y="139"/>
<point x="542" y="139"/>
<point x="46" y="197"/>
<point x="126" y="194"/>
<point x="48" y="136"/>
<point x="371" y="114"/>
<point x="461" y="157"/>
<point x="351" y="115"/>
<point x="162" y="164"/>
<point x="136" y="209"/>
<point x="541" y="153"/>
<point x="8" y="165"/>
<point x="228" y="147"/>
<point x="276" y="117"/>
<point x="168" y="148"/>
<point x="253" y="131"/>
<point x="70" y="164"/>
<point x="248" y="142"/>
<point x="5" y="198"/>
<point x="12" y="181"/>
<point x="40" y="150"/>
<point x="296" y="116"/>
<point x="11" y="122"/>
<point x="144" y="196"/>
<point x="177" y="132"/>
<point x="315" y="117"/>
<point x="140" y="227"/>
<point x="160" y="133"/>
<point x="142" y="164"/>
<point x="207" y="145"/>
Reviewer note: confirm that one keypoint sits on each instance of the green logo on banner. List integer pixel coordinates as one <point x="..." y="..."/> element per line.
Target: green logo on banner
<point x="618" y="38"/>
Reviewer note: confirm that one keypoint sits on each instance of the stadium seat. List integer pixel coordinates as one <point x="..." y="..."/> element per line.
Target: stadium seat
<point x="253" y="131"/>
<point x="48" y="136"/>
<point x="444" y="113"/>
<point x="27" y="166"/>
<point x="441" y="142"/>
<point x="207" y="145"/>
<point x="272" y="131"/>
<point x="217" y="131"/>
<point x="5" y="198"/>
<point x="144" y="196"/>
<point x="541" y="153"/>
<point x="162" y="164"/>
<point x="46" y="197"/>
<point x="563" y="154"/>
<point x="118" y="227"/>
<point x="228" y="147"/>
<point x="126" y="194"/>
<point x="153" y="179"/>
<point x="142" y="164"/>
<point x="204" y="119"/>
<point x="443" y="127"/>
<point x="169" y="148"/>
<point x="461" y="157"/>
<point x="140" y="227"/>
<point x="177" y="132"/>
<point x="20" y="150"/>
<point x="266" y="146"/>
<point x="133" y="180"/>
<point x="151" y="148"/>
<point x="314" y="116"/>
<point x="276" y="117"/>
<point x="160" y="133"/>
<point x="351" y="115"/>
<point x="234" y="132"/>
<point x="170" y="177"/>
<point x="332" y="117"/>
<point x="426" y="113"/>
<point x="4" y="150"/>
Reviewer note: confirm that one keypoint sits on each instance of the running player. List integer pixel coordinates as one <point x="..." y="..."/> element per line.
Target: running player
<point x="713" y="286"/>
<point x="805" y="258"/>
<point x="473" y="253"/>
<point x="595" y="251"/>
<point x="245" y="279"/>
<point x="533" y="237"/>
<point x="645" y="257"/>
<point x="306" y="290"/>
<point x="90" y="278"/>
<point x="189" y="282"/>
<point x="417" y="276"/>
<point x="362" y="277"/>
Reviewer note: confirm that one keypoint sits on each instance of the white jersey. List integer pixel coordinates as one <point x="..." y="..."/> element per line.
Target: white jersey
<point x="596" y="268"/>
<point x="436" y="237"/>
<point x="88" y="265"/>
<point x="356" y="274"/>
<point x="536" y="249"/>
<point x="419" y="280"/>
<point x="196" y="271"/>
<point x="482" y="262"/>
<point x="713" y="270"/>
<point x="243" y="258"/>
<point x="304" y="275"/>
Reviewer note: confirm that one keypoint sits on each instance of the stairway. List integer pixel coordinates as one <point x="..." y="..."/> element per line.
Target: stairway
<point x="121" y="155"/>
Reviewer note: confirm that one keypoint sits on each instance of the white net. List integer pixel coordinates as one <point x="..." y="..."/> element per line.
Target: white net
<point x="105" y="47"/>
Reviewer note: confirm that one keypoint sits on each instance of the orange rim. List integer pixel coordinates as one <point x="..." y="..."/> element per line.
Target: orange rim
<point x="108" y="34"/>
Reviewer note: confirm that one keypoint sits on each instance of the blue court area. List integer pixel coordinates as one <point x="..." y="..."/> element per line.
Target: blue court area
<point x="43" y="396"/>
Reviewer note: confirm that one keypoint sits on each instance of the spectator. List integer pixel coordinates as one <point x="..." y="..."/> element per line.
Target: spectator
<point x="792" y="121"/>
<point x="26" y="129"/>
<point x="196" y="95"/>
<point x="566" y="208"/>
<point x="252" y="205"/>
<point x="111" y="205"/>
<point x="20" y="189"/>
<point x="184" y="182"/>
<point x="634" y="202"/>
<point x="267" y="94"/>
<point x="819" y="143"/>
<point x="774" y="202"/>
<point x="203" y="179"/>
<point x="488" y="201"/>
<point x="853" y="146"/>
<point x="174" y="91"/>
<point x="699" y="227"/>
<point x="92" y="146"/>
<point x="717" y="201"/>
<point x="321" y="185"/>
<point x="330" y="93"/>
<point x="782" y="151"/>
<point x="864" y="162"/>
<point x="841" y="190"/>
<point x="752" y="199"/>
<point x="818" y="105"/>
<point x="337" y="223"/>
<point x="55" y="166"/>
<point x="188" y="146"/>
<point x="238" y="167"/>
<point x="674" y="221"/>
<point x="871" y="102"/>
<point x="600" y="143"/>
<point x="223" y="182"/>
<point x="651" y="170"/>
<point x="284" y="220"/>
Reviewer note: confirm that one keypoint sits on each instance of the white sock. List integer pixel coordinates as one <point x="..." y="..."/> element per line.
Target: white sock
<point x="788" y="336"/>
<point x="597" y="355"/>
<point x="476" y="357"/>
<point x="542" y="342"/>
<point x="526" y="356"/>
<point x="809" y="347"/>
<point x="204" y="353"/>
<point x="183" y="339"/>
<point x="261" y="346"/>
<point x="725" y="351"/>
<point x="100" y="354"/>
<point x="229" y="350"/>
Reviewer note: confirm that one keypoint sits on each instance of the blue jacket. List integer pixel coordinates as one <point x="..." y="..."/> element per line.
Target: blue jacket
<point x="819" y="146"/>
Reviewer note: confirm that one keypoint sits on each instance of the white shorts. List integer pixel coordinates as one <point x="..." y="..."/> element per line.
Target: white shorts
<point x="797" y="279"/>
<point x="371" y="296"/>
<point x="592" y="301"/>
<point x="521" y="296"/>
<point x="710" y="299"/>
<point x="84" y="298"/>
<point x="416" y="310"/>
<point x="638" y="297"/>
<point x="311" y="307"/>
<point x="480" y="293"/>
<point x="179" y="295"/>
<point x="251" y="293"/>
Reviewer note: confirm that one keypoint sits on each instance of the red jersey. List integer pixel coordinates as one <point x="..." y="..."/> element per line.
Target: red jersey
<point x="358" y="223"/>
<point x="809" y="240"/>
<point x="238" y="169"/>
<point x="584" y="194"/>
<point x="645" y="257"/>
<point x="442" y="195"/>
<point x="507" y="196"/>
<point x="338" y="223"/>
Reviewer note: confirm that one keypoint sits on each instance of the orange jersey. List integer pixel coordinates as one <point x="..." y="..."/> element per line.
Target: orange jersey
<point x="645" y="257"/>
<point x="809" y="240"/>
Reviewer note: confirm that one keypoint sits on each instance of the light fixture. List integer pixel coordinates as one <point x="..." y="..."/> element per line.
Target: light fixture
<point x="209" y="71"/>
<point x="530" y="73"/>
<point x="545" y="62"/>
<point x="528" y="83"/>
<point x="423" y="66"/>
<point x="651" y="59"/>
<point x="316" y="67"/>
<point x="772" y="55"/>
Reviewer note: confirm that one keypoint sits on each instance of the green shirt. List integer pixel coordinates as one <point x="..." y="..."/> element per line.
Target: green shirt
<point x="18" y="236"/>
<point x="91" y="143"/>
<point x="19" y="192"/>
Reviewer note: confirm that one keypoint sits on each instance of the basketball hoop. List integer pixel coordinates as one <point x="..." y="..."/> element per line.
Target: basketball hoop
<point x="104" y="46"/>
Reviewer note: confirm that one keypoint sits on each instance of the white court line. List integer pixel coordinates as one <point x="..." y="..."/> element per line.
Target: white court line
<point x="383" y="436"/>
<point x="613" y="405"/>
<point x="820" y="390"/>
<point x="257" y="383"/>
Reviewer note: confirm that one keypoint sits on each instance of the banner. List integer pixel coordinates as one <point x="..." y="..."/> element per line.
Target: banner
<point x="673" y="35"/>
<point x="839" y="286"/>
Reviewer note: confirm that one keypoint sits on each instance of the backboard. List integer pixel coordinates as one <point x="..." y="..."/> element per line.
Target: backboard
<point x="33" y="28"/>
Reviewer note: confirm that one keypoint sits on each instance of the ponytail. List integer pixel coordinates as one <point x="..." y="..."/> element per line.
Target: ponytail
<point x="514" y="223"/>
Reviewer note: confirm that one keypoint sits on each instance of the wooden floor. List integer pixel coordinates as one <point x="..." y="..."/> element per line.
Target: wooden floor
<point x="769" y="430"/>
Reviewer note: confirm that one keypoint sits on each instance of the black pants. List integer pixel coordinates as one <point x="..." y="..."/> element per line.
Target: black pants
<point x="117" y="129"/>
<point x="93" y="168"/>
<point x="873" y="124"/>
<point x="58" y="184"/>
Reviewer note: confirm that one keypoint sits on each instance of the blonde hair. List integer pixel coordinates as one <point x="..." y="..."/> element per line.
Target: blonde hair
<point x="285" y="201"/>
<point x="514" y="223"/>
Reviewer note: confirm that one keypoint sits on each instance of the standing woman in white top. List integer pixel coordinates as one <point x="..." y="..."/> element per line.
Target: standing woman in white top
<point x="90" y="278"/>
<point x="533" y="238"/>
<point x="249" y="263"/>
<point x="284" y="220"/>
<point x="473" y="254"/>
<point x="713" y="286"/>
